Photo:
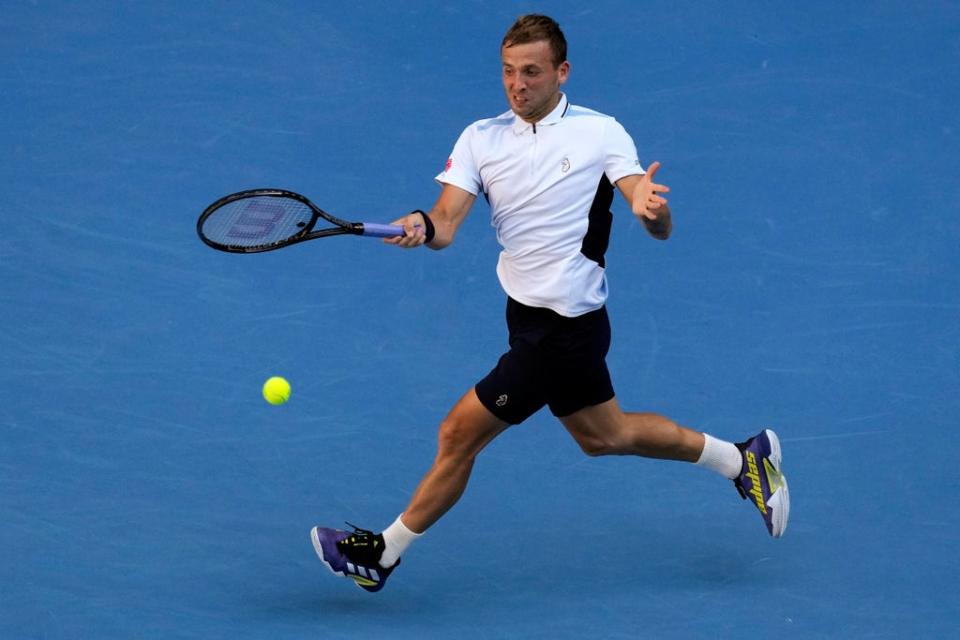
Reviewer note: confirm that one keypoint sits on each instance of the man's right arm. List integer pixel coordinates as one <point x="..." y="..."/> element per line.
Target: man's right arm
<point x="447" y="214"/>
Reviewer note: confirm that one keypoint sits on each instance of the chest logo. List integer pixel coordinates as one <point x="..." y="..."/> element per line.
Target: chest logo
<point x="565" y="165"/>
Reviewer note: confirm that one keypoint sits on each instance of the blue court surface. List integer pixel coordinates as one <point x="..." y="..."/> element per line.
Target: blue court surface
<point x="812" y="285"/>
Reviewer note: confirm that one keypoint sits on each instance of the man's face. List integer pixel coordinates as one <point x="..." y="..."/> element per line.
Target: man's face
<point x="530" y="80"/>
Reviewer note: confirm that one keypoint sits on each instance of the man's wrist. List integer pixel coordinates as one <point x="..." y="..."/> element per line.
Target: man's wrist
<point x="429" y="231"/>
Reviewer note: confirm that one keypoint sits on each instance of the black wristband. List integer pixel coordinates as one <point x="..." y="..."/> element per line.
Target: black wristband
<point x="657" y="224"/>
<point x="428" y="230"/>
<point x="658" y="228"/>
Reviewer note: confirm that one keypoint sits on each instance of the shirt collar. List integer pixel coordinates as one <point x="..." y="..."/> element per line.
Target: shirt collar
<point x="520" y="125"/>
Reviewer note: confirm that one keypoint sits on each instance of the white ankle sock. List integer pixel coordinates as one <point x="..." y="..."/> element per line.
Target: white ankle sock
<point x="721" y="456"/>
<point x="396" y="539"/>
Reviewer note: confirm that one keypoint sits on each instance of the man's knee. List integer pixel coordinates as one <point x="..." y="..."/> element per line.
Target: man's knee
<point x="599" y="431"/>
<point x="467" y="429"/>
<point x="596" y="439"/>
<point x="599" y="444"/>
<point x="453" y="436"/>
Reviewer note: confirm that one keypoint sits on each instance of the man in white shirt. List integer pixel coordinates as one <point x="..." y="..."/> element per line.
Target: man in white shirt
<point x="548" y="170"/>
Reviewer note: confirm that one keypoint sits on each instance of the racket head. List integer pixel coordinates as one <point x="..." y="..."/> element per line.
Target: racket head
<point x="263" y="220"/>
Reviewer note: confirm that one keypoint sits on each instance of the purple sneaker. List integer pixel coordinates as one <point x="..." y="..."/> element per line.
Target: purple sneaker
<point x="762" y="480"/>
<point x="353" y="555"/>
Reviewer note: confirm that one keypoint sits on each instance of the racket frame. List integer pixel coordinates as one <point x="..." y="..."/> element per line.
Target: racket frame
<point x="341" y="227"/>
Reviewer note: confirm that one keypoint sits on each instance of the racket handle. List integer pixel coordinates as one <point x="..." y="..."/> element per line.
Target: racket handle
<point x="382" y="230"/>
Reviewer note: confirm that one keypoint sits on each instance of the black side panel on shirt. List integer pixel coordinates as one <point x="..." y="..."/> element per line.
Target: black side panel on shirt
<point x="598" y="229"/>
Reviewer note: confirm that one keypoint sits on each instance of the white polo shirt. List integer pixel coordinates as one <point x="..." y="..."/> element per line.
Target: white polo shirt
<point x="549" y="186"/>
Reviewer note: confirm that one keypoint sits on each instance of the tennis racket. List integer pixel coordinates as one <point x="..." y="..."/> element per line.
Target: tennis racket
<point x="267" y="219"/>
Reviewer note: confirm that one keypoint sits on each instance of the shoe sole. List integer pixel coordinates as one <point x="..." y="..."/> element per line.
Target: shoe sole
<point x="780" y="499"/>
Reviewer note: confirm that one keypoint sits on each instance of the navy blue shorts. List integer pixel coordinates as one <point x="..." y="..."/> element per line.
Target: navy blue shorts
<point x="553" y="360"/>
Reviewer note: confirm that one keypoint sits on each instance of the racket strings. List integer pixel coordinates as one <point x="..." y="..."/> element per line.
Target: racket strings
<point x="257" y="221"/>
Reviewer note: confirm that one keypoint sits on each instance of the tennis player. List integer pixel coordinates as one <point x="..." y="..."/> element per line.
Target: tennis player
<point x="548" y="169"/>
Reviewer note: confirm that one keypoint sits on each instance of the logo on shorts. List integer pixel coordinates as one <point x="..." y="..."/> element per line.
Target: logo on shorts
<point x="565" y="165"/>
<point x="502" y="400"/>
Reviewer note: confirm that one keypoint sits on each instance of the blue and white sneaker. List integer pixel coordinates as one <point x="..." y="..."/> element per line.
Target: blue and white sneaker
<point x="762" y="480"/>
<point x="353" y="555"/>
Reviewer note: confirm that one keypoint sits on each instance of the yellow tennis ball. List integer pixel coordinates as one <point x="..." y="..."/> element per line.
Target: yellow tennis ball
<point x="276" y="390"/>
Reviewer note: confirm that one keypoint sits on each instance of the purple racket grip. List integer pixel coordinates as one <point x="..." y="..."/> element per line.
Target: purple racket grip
<point x="382" y="230"/>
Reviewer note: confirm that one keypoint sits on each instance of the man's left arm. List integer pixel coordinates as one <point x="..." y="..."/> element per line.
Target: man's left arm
<point x="647" y="204"/>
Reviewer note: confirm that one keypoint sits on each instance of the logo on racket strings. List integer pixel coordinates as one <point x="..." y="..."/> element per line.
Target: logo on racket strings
<point x="257" y="220"/>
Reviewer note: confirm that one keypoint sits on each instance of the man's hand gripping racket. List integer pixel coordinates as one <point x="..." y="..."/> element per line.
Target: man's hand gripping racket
<point x="414" y="227"/>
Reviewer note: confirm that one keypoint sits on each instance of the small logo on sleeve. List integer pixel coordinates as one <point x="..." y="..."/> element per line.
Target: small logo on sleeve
<point x="448" y="166"/>
<point x="502" y="400"/>
<point x="565" y="165"/>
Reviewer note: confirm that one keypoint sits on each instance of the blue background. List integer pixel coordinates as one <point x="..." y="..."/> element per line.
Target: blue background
<point x="812" y="285"/>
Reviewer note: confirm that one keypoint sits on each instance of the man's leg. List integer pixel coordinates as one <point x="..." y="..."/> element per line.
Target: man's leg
<point x="466" y="430"/>
<point x="754" y="465"/>
<point x="605" y="429"/>
<point x="370" y="558"/>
